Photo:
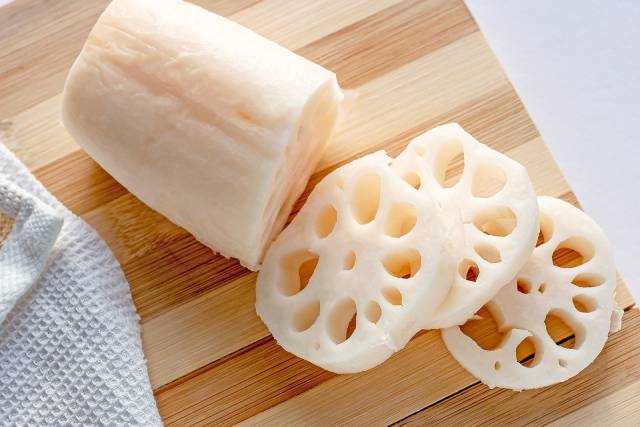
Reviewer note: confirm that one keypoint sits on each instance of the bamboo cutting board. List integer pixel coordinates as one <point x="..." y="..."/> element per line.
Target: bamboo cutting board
<point x="415" y="64"/>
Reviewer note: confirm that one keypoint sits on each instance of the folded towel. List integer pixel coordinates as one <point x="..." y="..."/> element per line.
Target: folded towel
<point x="31" y="230"/>
<point x="70" y="350"/>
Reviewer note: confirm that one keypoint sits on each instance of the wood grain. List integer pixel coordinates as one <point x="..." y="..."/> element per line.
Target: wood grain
<point x="613" y="372"/>
<point x="413" y="64"/>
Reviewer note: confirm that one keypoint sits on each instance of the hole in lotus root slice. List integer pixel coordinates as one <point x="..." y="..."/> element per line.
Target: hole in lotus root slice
<point x="392" y="295"/>
<point x="526" y="352"/>
<point x="558" y="329"/>
<point x="588" y="280"/>
<point x="402" y="263"/>
<point x="326" y="221"/>
<point x="523" y="285"/>
<point x="546" y="230"/>
<point x="584" y="303"/>
<point x="468" y="270"/>
<point x="400" y="220"/>
<point x="411" y="178"/>
<point x="488" y="253"/>
<point x="306" y="316"/>
<point x="366" y="198"/>
<point x="487" y="181"/>
<point x="297" y="270"/>
<point x="351" y="327"/>
<point x="483" y="329"/>
<point x="340" y="318"/>
<point x="372" y="312"/>
<point x="449" y="164"/>
<point x="496" y="221"/>
<point x="573" y="252"/>
<point x="542" y="288"/>
<point x="349" y="261"/>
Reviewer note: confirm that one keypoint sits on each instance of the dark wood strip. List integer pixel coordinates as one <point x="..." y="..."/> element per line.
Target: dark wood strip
<point x="390" y="38"/>
<point x="570" y="197"/>
<point x="169" y="276"/>
<point x="217" y="395"/>
<point x="79" y="182"/>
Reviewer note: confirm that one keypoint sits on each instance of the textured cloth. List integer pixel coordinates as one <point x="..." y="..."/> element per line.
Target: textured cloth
<point x="25" y="251"/>
<point x="70" y="350"/>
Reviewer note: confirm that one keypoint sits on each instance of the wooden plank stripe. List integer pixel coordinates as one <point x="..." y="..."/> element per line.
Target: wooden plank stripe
<point x="615" y="368"/>
<point x="178" y="273"/>
<point x="296" y="25"/>
<point x="79" y="183"/>
<point x="36" y="135"/>
<point x="201" y="331"/>
<point x="462" y="71"/>
<point x="30" y="57"/>
<point x="218" y="395"/>
<point x="227" y="7"/>
<point x="391" y="38"/>
<point x="617" y="409"/>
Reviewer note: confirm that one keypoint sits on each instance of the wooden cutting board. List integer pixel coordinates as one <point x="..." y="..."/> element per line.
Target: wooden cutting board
<point x="415" y="64"/>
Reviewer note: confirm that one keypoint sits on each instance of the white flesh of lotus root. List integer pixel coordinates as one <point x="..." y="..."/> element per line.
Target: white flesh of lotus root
<point x="492" y="206"/>
<point x="382" y="255"/>
<point x="581" y="296"/>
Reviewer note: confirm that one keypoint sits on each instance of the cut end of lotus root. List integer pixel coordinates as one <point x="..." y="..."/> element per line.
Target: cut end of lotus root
<point x="553" y="319"/>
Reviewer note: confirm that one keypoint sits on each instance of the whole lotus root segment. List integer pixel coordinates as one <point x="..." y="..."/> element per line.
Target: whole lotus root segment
<point x="555" y="315"/>
<point x="489" y="203"/>
<point x="358" y="271"/>
<point x="205" y="121"/>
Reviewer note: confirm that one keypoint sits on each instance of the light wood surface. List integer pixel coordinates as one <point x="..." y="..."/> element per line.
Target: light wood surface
<point x="414" y="64"/>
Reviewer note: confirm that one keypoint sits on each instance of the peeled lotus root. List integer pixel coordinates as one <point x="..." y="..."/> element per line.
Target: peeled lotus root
<point x="546" y="295"/>
<point x="358" y="271"/>
<point x="492" y="206"/>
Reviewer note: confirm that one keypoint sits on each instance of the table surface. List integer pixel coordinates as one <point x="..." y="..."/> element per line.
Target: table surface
<point x="415" y="64"/>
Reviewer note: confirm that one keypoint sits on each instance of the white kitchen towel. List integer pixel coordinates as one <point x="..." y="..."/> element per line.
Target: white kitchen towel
<point x="28" y="230"/>
<point x="70" y="350"/>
